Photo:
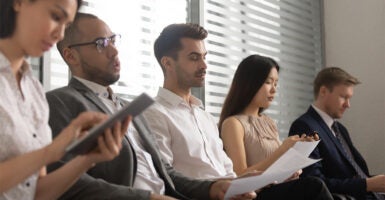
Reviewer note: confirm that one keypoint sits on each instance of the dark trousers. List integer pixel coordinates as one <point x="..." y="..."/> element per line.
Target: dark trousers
<point x="307" y="188"/>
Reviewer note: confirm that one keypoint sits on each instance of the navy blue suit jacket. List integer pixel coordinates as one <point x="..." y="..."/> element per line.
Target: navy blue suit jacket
<point x="334" y="168"/>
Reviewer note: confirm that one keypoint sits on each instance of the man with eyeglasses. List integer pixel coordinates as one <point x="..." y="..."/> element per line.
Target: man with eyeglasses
<point x="138" y="172"/>
<point x="101" y="42"/>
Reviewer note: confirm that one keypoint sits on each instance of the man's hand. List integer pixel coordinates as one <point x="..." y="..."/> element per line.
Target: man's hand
<point x="295" y="175"/>
<point x="376" y="183"/>
<point x="219" y="188"/>
<point x="311" y="137"/>
<point x="250" y="173"/>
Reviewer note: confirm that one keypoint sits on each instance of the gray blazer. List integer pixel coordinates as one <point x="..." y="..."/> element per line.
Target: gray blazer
<point x="114" y="179"/>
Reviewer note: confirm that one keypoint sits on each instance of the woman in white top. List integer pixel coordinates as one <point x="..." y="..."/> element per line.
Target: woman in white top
<point x="28" y="28"/>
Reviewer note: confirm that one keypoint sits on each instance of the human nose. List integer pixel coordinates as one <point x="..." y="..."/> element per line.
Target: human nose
<point x="112" y="49"/>
<point x="59" y="33"/>
<point x="204" y="64"/>
<point x="274" y="88"/>
<point x="347" y="103"/>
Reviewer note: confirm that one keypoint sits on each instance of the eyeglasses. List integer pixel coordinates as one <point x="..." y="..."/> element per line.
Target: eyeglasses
<point x="101" y="43"/>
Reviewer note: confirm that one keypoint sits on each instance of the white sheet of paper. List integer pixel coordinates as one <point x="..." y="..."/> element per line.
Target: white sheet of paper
<point x="290" y="162"/>
<point x="243" y="185"/>
<point x="305" y="147"/>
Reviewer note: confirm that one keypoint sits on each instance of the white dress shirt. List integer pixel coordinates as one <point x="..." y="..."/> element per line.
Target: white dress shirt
<point x="23" y="123"/>
<point x="327" y="119"/>
<point x="188" y="137"/>
<point x="146" y="178"/>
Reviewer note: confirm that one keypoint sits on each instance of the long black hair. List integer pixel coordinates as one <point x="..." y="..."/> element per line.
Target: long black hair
<point x="249" y="77"/>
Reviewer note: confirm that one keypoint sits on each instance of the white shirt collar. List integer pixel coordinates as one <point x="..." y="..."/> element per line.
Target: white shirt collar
<point x="99" y="90"/>
<point x="177" y="123"/>
<point x="4" y="64"/>
<point x="174" y="99"/>
<point x="327" y="119"/>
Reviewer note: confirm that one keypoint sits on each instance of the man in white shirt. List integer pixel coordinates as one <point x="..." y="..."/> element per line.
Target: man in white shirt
<point x="187" y="135"/>
<point x="138" y="172"/>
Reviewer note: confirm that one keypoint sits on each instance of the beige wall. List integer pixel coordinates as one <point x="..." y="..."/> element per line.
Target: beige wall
<point x="355" y="41"/>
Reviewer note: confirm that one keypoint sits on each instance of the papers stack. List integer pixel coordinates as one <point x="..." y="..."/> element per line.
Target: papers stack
<point x="291" y="161"/>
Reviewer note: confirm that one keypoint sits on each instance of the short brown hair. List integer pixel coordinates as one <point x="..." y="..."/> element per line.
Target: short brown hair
<point x="331" y="77"/>
<point x="168" y="43"/>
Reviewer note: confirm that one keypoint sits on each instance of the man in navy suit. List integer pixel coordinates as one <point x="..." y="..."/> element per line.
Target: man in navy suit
<point x="342" y="167"/>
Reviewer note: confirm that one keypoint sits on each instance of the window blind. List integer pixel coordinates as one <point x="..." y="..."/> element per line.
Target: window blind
<point x="139" y="23"/>
<point x="287" y="30"/>
<point x="35" y="66"/>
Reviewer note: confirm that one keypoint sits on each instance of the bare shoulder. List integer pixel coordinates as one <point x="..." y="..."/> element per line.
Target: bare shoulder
<point x="231" y="121"/>
<point x="232" y="124"/>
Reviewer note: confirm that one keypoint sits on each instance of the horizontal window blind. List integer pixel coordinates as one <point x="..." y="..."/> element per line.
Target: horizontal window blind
<point x="287" y="30"/>
<point x="36" y="66"/>
<point x="139" y="23"/>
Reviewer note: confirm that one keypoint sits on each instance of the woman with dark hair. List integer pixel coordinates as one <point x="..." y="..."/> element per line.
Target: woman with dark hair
<point x="251" y="138"/>
<point x="29" y="28"/>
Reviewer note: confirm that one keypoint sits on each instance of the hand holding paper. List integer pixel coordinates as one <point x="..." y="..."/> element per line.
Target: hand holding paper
<point x="291" y="161"/>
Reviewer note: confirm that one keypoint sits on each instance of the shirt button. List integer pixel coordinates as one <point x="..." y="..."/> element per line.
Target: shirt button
<point x="34" y="135"/>
<point x="27" y="184"/>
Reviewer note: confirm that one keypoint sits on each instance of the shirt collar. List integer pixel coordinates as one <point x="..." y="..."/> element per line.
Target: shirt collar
<point x="175" y="100"/>
<point x="327" y="119"/>
<point x="25" y="68"/>
<point x="99" y="90"/>
<point x="5" y="64"/>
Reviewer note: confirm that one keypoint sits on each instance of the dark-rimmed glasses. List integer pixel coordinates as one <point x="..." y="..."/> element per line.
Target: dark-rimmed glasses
<point x="100" y="43"/>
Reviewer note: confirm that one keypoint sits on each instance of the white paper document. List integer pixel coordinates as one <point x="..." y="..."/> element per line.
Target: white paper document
<point x="305" y="147"/>
<point x="291" y="161"/>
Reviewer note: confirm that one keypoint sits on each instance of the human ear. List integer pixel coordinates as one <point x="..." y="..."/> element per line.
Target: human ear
<point x="323" y="90"/>
<point x="70" y="56"/>
<point x="167" y="63"/>
<point x="17" y="5"/>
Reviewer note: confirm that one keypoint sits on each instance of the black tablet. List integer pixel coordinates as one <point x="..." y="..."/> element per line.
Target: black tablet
<point x="89" y="141"/>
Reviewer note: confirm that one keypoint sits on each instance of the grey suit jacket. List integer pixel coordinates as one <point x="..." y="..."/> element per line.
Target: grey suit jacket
<point x="114" y="179"/>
